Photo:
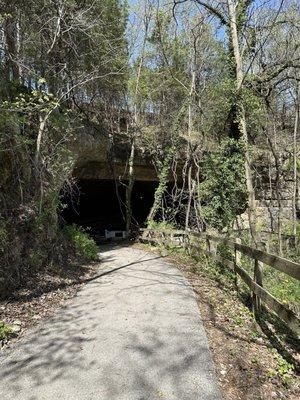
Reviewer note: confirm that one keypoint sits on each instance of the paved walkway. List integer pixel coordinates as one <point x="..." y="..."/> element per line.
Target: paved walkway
<point x="133" y="333"/>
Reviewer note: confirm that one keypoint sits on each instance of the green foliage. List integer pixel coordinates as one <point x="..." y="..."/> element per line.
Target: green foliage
<point x="3" y="235"/>
<point x="226" y="252"/>
<point x="255" y="109"/>
<point x="36" y="100"/>
<point x="5" y="331"/>
<point x="163" y="181"/>
<point x="83" y="244"/>
<point x="221" y="92"/>
<point x="40" y="119"/>
<point x="285" y="288"/>
<point x="284" y="369"/>
<point x="165" y="165"/>
<point x="160" y="225"/>
<point x="287" y="230"/>
<point x="223" y="193"/>
<point x="37" y="258"/>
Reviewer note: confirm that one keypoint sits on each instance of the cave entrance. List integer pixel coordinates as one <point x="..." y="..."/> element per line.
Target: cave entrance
<point x="100" y="204"/>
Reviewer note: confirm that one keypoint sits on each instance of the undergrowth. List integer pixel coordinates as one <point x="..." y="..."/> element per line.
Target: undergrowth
<point x="250" y="361"/>
<point x="282" y="286"/>
<point x="5" y="331"/>
<point x="226" y="279"/>
<point x="83" y="244"/>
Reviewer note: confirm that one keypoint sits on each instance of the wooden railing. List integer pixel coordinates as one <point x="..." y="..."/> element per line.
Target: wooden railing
<point x="188" y="240"/>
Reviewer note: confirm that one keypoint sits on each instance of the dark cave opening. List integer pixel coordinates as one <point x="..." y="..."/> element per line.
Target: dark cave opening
<point x="100" y="204"/>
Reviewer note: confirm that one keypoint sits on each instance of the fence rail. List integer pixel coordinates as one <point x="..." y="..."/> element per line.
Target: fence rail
<point x="259" y="294"/>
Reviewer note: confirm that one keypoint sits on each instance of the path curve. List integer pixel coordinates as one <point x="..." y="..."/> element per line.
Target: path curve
<point x="133" y="333"/>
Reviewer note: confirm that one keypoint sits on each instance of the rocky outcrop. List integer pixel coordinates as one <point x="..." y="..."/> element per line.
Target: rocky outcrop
<point x="95" y="159"/>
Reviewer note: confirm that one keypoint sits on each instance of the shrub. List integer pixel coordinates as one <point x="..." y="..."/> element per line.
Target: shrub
<point x="84" y="245"/>
<point x="5" y="331"/>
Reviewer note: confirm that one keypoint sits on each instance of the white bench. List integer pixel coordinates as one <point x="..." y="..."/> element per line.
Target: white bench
<point x="115" y="234"/>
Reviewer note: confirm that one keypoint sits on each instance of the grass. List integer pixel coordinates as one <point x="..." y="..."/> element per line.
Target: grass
<point x="283" y="287"/>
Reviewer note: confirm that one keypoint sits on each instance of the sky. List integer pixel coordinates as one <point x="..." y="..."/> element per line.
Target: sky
<point x="220" y="31"/>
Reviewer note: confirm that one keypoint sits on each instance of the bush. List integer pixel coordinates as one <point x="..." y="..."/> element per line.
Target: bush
<point x="84" y="245"/>
<point x="5" y="331"/>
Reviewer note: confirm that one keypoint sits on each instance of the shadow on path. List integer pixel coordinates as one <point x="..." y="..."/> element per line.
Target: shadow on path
<point x="132" y="333"/>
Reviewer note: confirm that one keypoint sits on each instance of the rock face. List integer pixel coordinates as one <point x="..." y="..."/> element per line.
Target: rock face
<point x="275" y="198"/>
<point x="102" y="170"/>
<point x="272" y="205"/>
<point x="94" y="160"/>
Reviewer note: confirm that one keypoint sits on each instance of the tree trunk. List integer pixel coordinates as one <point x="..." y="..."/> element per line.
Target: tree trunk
<point x="162" y="186"/>
<point x="242" y="119"/>
<point x="136" y="129"/>
<point x="189" y="150"/>
<point x="12" y="46"/>
<point x="295" y="166"/>
<point x="130" y="186"/>
<point x="190" y="196"/>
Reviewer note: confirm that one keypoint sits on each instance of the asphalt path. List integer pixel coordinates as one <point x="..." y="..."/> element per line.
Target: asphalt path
<point x="134" y="332"/>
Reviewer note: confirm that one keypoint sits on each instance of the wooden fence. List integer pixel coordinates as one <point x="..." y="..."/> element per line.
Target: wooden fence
<point x="187" y="240"/>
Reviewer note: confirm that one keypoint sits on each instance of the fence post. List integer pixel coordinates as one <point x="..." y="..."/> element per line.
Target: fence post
<point x="214" y="247"/>
<point x="188" y="247"/>
<point x="237" y="253"/>
<point x="237" y="260"/>
<point x="184" y="236"/>
<point x="171" y="239"/>
<point x="208" y="245"/>
<point x="258" y="277"/>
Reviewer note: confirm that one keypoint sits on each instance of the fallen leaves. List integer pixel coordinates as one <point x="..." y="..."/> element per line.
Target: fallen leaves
<point x="42" y="295"/>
